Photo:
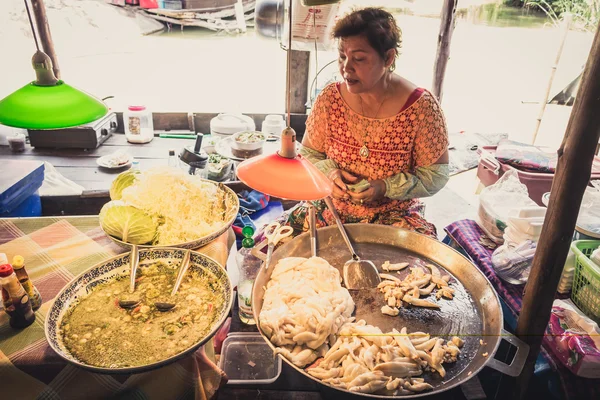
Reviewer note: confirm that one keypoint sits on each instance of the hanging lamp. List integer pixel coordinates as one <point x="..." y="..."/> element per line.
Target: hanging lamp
<point x="47" y="102"/>
<point x="286" y="174"/>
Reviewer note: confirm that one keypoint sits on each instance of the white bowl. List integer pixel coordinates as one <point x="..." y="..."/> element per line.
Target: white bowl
<point x="249" y="146"/>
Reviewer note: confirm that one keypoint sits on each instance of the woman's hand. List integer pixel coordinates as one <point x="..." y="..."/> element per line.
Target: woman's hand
<point x="340" y="179"/>
<point x="374" y="193"/>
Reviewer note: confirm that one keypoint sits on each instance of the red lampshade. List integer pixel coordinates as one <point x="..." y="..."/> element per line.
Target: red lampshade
<point x="287" y="178"/>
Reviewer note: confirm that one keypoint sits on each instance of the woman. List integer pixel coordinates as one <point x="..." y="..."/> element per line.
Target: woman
<point x="375" y="131"/>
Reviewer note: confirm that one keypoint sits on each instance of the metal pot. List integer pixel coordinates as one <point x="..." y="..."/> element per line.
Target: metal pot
<point x="474" y="314"/>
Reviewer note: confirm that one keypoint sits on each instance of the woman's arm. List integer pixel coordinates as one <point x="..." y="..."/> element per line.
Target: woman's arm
<point x="422" y="182"/>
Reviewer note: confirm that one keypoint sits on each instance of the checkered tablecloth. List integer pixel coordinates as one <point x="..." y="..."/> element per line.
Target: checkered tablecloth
<point x="470" y="238"/>
<point x="56" y="250"/>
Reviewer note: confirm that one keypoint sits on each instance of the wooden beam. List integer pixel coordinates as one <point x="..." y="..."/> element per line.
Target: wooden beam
<point x="443" y="48"/>
<point x="43" y="30"/>
<point x="299" y="81"/>
<point x="573" y="170"/>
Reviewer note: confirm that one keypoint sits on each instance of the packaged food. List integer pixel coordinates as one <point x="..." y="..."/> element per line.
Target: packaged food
<point x="574" y="339"/>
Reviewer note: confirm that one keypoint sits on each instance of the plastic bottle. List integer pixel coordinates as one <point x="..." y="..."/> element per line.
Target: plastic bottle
<point x="18" y="265"/>
<point x="172" y="159"/>
<point x="6" y="300"/>
<point x="138" y="124"/>
<point x="20" y="311"/>
<point x="248" y="266"/>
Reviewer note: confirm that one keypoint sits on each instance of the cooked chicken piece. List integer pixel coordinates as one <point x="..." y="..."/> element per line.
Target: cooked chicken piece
<point x="426" y="346"/>
<point x="386" y="283"/>
<point x="419" y="302"/>
<point x="398" y="369"/>
<point x="418" y="337"/>
<point x="394" y="267"/>
<point x="437" y="357"/>
<point x="457" y="341"/>
<point x="419" y="283"/>
<point x="427" y="290"/>
<point x="419" y="387"/>
<point x="391" y="302"/>
<point x="371" y="386"/>
<point x="390" y="278"/>
<point x="321" y="373"/>
<point x="405" y="344"/>
<point x="391" y="311"/>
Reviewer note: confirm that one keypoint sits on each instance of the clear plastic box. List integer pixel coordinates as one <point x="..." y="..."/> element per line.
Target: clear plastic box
<point x="248" y="360"/>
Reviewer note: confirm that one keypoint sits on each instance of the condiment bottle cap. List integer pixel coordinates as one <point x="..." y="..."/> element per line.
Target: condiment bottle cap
<point x="5" y="270"/>
<point x="18" y="262"/>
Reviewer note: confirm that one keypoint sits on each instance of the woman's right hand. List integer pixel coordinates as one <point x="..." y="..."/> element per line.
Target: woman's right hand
<point x="340" y="178"/>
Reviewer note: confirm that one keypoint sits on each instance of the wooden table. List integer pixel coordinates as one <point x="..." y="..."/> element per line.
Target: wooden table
<point x="80" y="165"/>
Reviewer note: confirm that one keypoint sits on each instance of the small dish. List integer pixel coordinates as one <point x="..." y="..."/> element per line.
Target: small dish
<point x="249" y="140"/>
<point x="115" y="160"/>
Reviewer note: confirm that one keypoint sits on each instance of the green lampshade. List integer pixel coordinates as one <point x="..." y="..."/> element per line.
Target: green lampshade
<point x="49" y="107"/>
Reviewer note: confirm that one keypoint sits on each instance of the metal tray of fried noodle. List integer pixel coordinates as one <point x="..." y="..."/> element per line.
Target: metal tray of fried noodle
<point x="474" y="313"/>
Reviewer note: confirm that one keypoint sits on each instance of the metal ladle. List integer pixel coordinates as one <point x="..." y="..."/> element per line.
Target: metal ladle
<point x="134" y="262"/>
<point x="185" y="264"/>
<point x="357" y="273"/>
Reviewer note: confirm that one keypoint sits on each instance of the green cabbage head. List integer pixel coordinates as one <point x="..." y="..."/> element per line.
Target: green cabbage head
<point x="124" y="180"/>
<point x="128" y="223"/>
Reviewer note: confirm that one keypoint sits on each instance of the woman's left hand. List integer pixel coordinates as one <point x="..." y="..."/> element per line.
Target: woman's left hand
<point x="374" y="193"/>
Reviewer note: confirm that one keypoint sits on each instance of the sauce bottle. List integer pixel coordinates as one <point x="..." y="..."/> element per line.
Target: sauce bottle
<point x="6" y="300"/>
<point x="20" y="311"/>
<point x="18" y="265"/>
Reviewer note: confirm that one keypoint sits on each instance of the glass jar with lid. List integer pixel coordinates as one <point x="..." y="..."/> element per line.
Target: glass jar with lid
<point x="138" y="124"/>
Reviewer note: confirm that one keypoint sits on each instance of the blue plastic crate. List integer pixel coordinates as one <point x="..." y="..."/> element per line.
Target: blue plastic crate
<point x="19" y="184"/>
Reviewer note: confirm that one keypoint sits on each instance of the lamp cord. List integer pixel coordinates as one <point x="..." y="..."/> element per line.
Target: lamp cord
<point x="32" y="27"/>
<point x="289" y="68"/>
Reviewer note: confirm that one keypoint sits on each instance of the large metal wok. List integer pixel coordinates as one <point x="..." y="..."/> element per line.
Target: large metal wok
<point x="474" y="314"/>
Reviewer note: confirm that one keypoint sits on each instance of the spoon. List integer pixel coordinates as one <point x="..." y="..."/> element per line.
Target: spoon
<point x="185" y="264"/>
<point x="357" y="273"/>
<point x="134" y="262"/>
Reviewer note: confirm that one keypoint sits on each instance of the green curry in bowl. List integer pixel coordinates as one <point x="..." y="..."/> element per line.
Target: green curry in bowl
<point x="97" y="324"/>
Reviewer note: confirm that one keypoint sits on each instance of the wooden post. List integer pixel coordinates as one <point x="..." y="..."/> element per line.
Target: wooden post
<point x="299" y="80"/>
<point x="573" y="171"/>
<point x="567" y="18"/>
<point x="43" y="29"/>
<point x="443" y="48"/>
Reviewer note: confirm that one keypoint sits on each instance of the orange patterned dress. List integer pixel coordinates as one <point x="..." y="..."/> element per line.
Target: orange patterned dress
<point x="415" y="137"/>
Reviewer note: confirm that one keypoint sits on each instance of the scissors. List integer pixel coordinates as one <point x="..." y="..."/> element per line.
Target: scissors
<point x="274" y="233"/>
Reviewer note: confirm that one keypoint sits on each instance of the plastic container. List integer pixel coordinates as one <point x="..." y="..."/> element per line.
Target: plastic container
<point x="489" y="170"/>
<point x="171" y="4"/>
<point x="139" y="127"/>
<point x="586" y="282"/>
<point x="16" y="143"/>
<point x="226" y="124"/>
<point x="248" y="360"/>
<point x="19" y="184"/>
<point x="273" y="125"/>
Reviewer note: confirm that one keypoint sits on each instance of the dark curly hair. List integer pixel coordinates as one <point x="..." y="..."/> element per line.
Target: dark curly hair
<point x="376" y="24"/>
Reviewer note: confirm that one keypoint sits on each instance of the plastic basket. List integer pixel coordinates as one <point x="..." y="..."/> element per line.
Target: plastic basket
<point x="586" y="281"/>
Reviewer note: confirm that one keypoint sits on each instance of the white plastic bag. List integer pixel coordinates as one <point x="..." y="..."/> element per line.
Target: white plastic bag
<point x="497" y="200"/>
<point x="55" y="184"/>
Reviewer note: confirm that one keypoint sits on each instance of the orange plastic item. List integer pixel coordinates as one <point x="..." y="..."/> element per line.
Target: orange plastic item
<point x="286" y="178"/>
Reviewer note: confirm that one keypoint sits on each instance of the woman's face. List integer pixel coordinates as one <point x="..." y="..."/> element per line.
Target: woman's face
<point x="360" y="65"/>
